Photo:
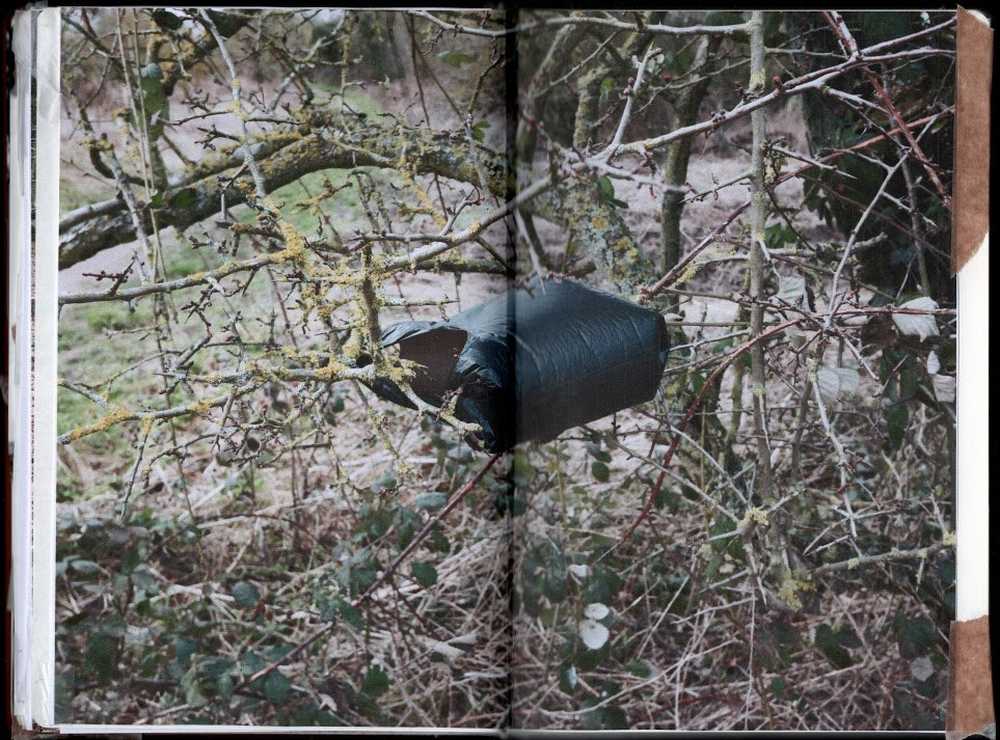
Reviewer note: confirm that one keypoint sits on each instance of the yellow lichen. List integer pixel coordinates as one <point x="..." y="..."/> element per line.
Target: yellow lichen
<point x="295" y="244"/>
<point x="200" y="407"/>
<point x="754" y="515"/>
<point x="332" y="370"/>
<point x="789" y="592"/>
<point x="599" y="222"/>
<point x="103" y="424"/>
<point x="353" y="345"/>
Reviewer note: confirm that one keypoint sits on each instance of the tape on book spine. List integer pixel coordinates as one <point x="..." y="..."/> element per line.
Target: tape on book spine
<point x="971" y="190"/>
<point x="970" y="696"/>
<point x="970" y="700"/>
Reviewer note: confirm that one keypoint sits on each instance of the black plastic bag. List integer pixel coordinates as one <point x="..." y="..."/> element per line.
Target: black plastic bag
<point x="534" y="361"/>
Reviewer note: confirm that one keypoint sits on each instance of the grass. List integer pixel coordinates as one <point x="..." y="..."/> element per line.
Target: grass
<point x="73" y="194"/>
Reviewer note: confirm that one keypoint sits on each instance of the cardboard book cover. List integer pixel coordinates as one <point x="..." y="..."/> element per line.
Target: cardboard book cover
<point x="502" y="369"/>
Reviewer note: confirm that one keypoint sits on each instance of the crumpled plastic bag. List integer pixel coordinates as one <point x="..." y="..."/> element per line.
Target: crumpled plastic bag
<point x="534" y="361"/>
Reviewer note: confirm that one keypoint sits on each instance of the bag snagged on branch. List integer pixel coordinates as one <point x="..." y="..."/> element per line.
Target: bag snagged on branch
<point x="534" y="361"/>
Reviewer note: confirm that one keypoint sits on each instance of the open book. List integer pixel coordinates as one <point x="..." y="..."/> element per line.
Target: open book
<point x="496" y="369"/>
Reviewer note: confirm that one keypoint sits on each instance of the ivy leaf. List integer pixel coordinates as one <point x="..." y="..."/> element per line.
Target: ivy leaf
<point x="425" y="574"/>
<point x="245" y="594"/>
<point x="277" y="688"/>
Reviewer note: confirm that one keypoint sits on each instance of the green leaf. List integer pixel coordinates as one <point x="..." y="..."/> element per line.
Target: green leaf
<point x="522" y="470"/>
<point x="431" y="501"/>
<point x="376" y="682"/>
<point x="600" y="471"/>
<point x="425" y="574"/>
<point x="277" y="688"/>
<point x="184" y="648"/>
<point x="193" y="694"/>
<point x="455" y="58"/>
<point x="387" y="482"/>
<point x="166" y="19"/>
<point x="603" y="585"/>
<point x="350" y="614"/>
<point x="184" y="199"/>
<point x="554" y="583"/>
<point x="609" y="717"/>
<point x="831" y="644"/>
<point x="85" y="567"/>
<point x="479" y="131"/>
<point x="605" y="187"/>
<point x="607" y="85"/>
<point x="778" y="687"/>
<point x="250" y="663"/>
<point x="639" y="668"/>
<point x="224" y="685"/>
<point x="896" y="417"/>
<point x="916" y="637"/>
<point x="595" y="451"/>
<point x="102" y="655"/>
<point x="568" y="680"/>
<point x="245" y="594"/>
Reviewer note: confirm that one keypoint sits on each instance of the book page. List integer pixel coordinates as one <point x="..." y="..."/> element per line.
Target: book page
<point x="768" y="543"/>
<point x="248" y="533"/>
